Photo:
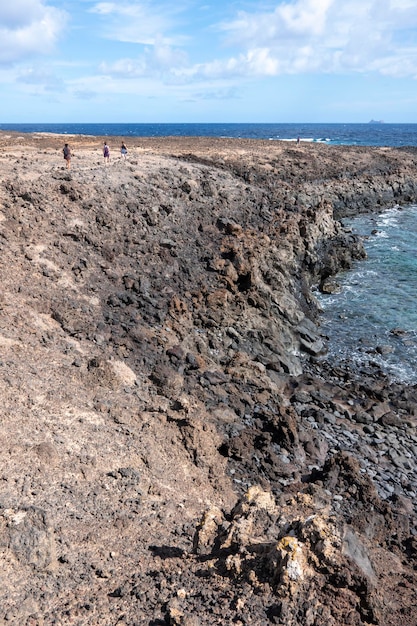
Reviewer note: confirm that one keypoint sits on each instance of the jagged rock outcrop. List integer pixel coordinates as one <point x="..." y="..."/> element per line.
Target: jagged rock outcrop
<point x="172" y="451"/>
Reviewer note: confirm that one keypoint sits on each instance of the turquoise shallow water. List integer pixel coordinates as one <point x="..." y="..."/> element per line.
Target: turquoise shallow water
<point x="378" y="296"/>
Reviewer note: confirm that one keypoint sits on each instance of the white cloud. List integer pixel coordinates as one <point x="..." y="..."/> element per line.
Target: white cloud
<point x="292" y="37"/>
<point x="27" y="28"/>
<point x="219" y="94"/>
<point x="305" y="18"/>
<point x="323" y="36"/>
<point x="400" y="68"/>
<point x="19" y="13"/>
<point x="142" y="23"/>
<point x="159" y="59"/>
<point x="41" y="77"/>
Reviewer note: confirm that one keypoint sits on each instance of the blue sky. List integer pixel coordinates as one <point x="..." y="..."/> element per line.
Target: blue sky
<point x="208" y="61"/>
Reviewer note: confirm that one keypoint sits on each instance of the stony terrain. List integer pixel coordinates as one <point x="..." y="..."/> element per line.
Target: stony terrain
<point x="175" y="447"/>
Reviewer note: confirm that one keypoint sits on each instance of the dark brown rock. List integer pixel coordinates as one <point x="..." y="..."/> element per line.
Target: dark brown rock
<point x="175" y="448"/>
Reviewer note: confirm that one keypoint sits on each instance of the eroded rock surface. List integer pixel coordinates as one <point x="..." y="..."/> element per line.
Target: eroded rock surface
<point x="173" y="449"/>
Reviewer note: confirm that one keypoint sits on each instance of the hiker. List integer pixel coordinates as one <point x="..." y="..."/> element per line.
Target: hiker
<point x="123" y="150"/>
<point x="106" y="153"/>
<point x="67" y="155"/>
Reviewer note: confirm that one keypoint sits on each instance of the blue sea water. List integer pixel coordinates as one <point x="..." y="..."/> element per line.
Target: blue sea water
<point x="374" y="317"/>
<point x="369" y="134"/>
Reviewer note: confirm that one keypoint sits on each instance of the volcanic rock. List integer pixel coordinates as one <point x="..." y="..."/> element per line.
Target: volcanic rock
<point x="175" y="447"/>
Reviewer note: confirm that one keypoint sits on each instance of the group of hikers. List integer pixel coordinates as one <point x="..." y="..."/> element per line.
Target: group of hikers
<point x="106" y="153"/>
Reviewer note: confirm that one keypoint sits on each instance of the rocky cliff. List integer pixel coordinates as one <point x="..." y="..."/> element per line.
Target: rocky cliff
<point x="173" y="449"/>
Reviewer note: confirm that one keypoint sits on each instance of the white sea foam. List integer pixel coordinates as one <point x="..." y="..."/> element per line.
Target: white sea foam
<point x="390" y="218"/>
<point x="301" y="139"/>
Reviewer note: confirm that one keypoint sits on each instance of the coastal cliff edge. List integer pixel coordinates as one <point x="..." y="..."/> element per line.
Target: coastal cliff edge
<point x="175" y="449"/>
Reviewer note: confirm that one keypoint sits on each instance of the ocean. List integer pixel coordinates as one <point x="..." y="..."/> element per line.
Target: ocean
<point x="369" y="134"/>
<point x="374" y="317"/>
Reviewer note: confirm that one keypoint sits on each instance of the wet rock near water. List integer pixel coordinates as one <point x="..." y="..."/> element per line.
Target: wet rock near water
<point x="175" y="447"/>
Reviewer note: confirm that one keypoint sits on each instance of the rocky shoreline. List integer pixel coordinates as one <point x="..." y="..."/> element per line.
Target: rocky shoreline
<point x="175" y="449"/>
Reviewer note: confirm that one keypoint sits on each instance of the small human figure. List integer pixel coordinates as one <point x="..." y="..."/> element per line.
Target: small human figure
<point x="106" y="153"/>
<point x="67" y="155"/>
<point x="123" y="150"/>
<point x="298" y="140"/>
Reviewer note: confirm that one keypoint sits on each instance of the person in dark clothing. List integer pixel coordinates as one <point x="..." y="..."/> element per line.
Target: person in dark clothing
<point x="106" y="152"/>
<point x="67" y="155"/>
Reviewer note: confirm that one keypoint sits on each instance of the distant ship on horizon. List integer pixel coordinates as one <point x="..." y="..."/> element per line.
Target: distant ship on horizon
<point x="376" y="122"/>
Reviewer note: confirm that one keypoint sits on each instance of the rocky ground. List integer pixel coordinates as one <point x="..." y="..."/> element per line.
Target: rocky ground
<point x="175" y="448"/>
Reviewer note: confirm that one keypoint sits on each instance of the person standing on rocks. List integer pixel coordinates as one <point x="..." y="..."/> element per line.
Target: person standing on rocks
<point x="123" y="151"/>
<point x="67" y="155"/>
<point x="106" y="153"/>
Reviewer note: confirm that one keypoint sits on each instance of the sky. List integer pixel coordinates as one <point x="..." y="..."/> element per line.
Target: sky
<point x="208" y="61"/>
